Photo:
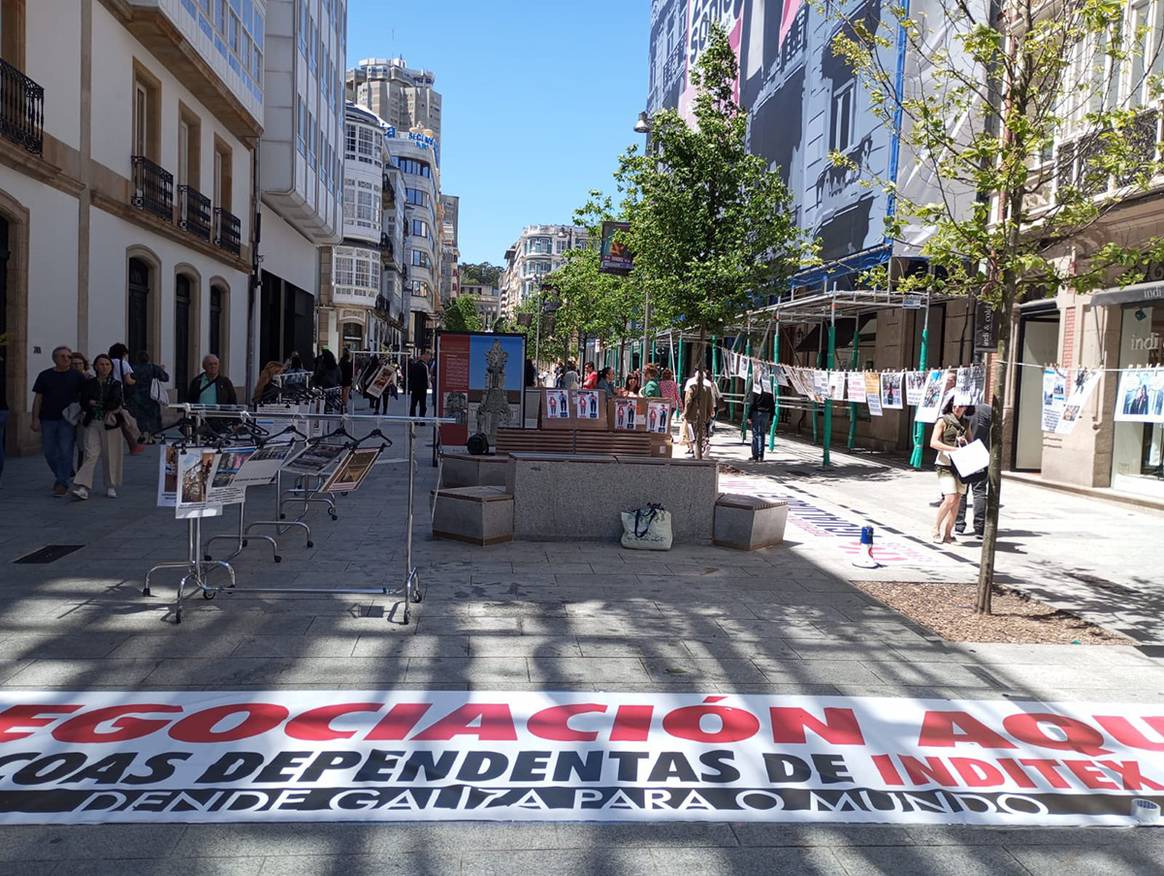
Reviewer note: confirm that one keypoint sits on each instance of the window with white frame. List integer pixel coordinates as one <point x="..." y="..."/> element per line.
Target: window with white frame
<point x="362" y="204"/>
<point x="356" y="267"/>
<point x="368" y="147"/>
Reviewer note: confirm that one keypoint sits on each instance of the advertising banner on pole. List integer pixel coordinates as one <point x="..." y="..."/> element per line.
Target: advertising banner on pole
<point x="614" y="257"/>
<point x="339" y="755"/>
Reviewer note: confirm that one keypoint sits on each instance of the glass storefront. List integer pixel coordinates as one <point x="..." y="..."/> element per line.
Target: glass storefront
<point x="1138" y="453"/>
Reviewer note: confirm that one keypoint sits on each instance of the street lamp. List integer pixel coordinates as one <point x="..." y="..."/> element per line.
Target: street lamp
<point x="643" y="125"/>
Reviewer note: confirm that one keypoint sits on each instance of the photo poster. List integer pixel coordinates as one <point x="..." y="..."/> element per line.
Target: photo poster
<point x="781" y="375"/>
<point x="1054" y="397"/>
<point x="587" y="403"/>
<point x="837" y="385"/>
<point x="930" y="407"/>
<point x="856" y="381"/>
<point x="659" y="417"/>
<point x="820" y="385"/>
<point x="352" y="473"/>
<point x="378" y="385"/>
<point x="168" y="476"/>
<point x="556" y="412"/>
<point x="873" y="392"/>
<point x="264" y="464"/>
<point x="316" y="459"/>
<point x="1140" y="397"/>
<point x="614" y="255"/>
<point x="1084" y="382"/>
<point x="626" y="415"/>
<point x="762" y="380"/>
<point x="743" y="366"/>
<point x="265" y="419"/>
<point x="479" y="383"/>
<point x="969" y="385"/>
<point x="195" y="466"/>
<point x="892" y="395"/>
<point x="224" y="487"/>
<point x="915" y="387"/>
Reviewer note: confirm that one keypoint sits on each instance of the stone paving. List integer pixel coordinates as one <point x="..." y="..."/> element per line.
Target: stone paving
<point x="521" y="616"/>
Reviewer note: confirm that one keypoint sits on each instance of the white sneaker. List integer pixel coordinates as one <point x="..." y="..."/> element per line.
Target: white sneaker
<point x="80" y="492"/>
<point x="111" y="493"/>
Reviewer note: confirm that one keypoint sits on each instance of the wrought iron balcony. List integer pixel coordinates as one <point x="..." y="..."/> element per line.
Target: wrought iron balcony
<point x="153" y="188"/>
<point x="227" y="231"/>
<point x="21" y="109"/>
<point x="194" y="212"/>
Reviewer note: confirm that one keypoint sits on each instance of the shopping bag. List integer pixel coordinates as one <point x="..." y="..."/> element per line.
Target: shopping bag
<point x="158" y="392"/>
<point x="970" y="459"/>
<point x="647" y="529"/>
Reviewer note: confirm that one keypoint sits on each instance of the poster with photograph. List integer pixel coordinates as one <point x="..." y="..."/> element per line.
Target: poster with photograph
<point x="1054" y="397"/>
<point x="659" y="417"/>
<point x="168" y="476"/>
<point x="276" y="419"/>
<point x="873" y="392"/>
<point x="743" y="367"/>
<point x="480" y="372"/>
<point x="837" y="381"/>
<point x="930" y="406"/>
<point x="781" y="375"/>
<point x="762" y="378"/>
<point x="856" y="381"/>
<point x="379" y="384"/>
<point x="820" y="385"/>
<point x="225" y="488"/>
<point x="195" y="465"/>
<point x="557" y="404"/>
<point x="588" y="403"/>
<point x="626" y="414"/>
<point x="456" y="406"/>
<point x="969" y="385"/>
<point x="892" y="397"/>
<point x="264" y="464"/>
<point x="1083" y="384"/>
<point x="352" y="472"/>
<point x="915" y="387"/>
<point x="1140" y="397"/>
<point x="316" y="459"/>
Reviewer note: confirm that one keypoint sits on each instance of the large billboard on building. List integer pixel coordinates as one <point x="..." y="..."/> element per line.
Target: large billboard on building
<point x="803" y="104"/>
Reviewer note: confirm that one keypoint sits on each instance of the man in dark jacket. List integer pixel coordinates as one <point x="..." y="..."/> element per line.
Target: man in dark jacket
<point x="418" y="385"/>
<point x="211" y="387"/>
<point x="980" y="429"/>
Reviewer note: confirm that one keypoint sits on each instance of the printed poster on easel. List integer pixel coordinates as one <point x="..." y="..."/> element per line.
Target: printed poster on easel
<point x="316" y="459"/>
<point x="480" y="383"/>
<point x="264" y="464"/>
<point x="224" y="488"/>
<point x="194" y="468"/>
<point x="353" y="471"/>
<point x="168" y="476"/>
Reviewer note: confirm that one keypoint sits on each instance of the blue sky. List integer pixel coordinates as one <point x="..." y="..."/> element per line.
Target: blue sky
<point x="540" y="98"/>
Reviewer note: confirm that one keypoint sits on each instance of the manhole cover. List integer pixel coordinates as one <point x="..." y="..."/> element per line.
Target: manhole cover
<point x="49" y="553"/>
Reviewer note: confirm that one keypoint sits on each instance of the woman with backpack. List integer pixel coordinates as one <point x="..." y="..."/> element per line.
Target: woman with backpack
<point x="951" y="431"/>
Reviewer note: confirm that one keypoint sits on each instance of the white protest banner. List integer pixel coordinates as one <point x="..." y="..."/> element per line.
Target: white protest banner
<point x="368" y="756"/>
<point x="873" y="392"/>
<point x="837" y="381"/>
<point x="1054" y="397"/>
<point x="1084" y="382"/>
<point x="856" y="381"/>
<point x="915" y="387"/>
<point x="931" y="404"/>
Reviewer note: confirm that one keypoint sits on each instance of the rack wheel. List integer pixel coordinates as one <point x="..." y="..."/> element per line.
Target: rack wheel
<point x="145" y="591"/>
<point x="333" y="515"/>
<point x="244" y="542"/>
<point x="278" y="559"/>
<point x="206" y="557"/>
<point x="282" y="516"/>
<point x="310" y="543"/>
<point x="209" y="594"/>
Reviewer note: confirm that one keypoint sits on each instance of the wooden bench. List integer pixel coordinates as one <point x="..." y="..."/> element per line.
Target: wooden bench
<point x="571" y="441"/>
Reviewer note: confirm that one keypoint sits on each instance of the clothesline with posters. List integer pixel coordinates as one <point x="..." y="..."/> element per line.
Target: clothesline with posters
<point x="1139" y="398"/>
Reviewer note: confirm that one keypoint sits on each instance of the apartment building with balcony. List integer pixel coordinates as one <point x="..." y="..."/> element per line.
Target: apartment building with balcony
<point x="539" y="250"/>
<point x="350" y="272"/>
<point x="392" y="303"/>
<point x="450" y="247"/>
<point x="127" y="137"/>
<point x="488" y="302"/>
<point x="404" y="97"/>
<point x="414" y="156"/>
<point x="301" y="166"/>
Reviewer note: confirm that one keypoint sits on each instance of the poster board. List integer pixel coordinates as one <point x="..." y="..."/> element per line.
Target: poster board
<point x="194" y="468"/>
<point x="480" y="382"/>
<point x="352" y="472"/>
<point x="316" y="460"/>
<point x="554" y="411"/>
<point x="627" y="414"/>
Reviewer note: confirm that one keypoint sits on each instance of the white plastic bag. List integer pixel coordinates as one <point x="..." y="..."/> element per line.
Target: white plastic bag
<point x="970" y="459"/>
<point x="647" y="529"/>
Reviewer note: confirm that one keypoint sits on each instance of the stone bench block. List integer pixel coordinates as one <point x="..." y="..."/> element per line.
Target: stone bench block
<point x="748" y="523"/>
<point x="466" y="470"/>
<point x="478" y="515"/>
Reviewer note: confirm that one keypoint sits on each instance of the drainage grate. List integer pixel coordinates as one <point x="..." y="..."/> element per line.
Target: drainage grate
<point x="49" y="553"/>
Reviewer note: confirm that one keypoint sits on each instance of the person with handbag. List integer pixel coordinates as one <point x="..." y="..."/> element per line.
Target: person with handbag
<point x="101" y="402"/>
<point x="951" y="432"/>
<point x="145" y="398"/>
<point x="55" y="413"/>
<point x="123" y="373"/>
<point x="976" y="483"/>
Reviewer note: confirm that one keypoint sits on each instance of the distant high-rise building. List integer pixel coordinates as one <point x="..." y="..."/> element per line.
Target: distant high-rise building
<point x="450" y="247"/>
<point x="403" y="97"/>
<point x="539" y="250"/>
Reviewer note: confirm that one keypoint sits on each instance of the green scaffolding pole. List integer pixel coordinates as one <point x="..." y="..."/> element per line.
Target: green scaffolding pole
<point x="853" y="366"/>
<point x="744" y="406"/>
<point x="828" y="404"/>
<point x="775" y="390"/>
<point x="919" y="429"/>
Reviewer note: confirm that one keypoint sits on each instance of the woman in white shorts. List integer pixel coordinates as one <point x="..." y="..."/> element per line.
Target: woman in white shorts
<point x="951" y="431"/>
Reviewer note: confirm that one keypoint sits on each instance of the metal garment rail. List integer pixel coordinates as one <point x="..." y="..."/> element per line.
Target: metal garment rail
<point x="411" y="587"/>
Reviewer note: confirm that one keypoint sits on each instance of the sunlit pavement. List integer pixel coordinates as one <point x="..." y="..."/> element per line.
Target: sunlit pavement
<point x="575" y="617"/>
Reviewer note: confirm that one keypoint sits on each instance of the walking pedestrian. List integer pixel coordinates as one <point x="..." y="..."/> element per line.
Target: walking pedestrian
<point x="951" y="431"/>
<point x="418" y="385"/>
<point x="698" y="407"/>
<point x="977" y="483"/>
<point x="144" y="408"/>
<point x="123" y="373"/>
<point x="760" y="413"/>
<point x="55" y="413"/>
<point x="570" y="376"/>
<point x="267" y="389"/>
<point x="669" y="389"/>
<point x="101" y="400"/>
<point x="347" y="376"/>
<point x="211" y="387"/>
<point x="327" y="371"/>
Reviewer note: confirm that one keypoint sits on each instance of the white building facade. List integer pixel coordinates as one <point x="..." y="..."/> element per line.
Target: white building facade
<point x="301" y="166"/>
<point x="539" y="250"/>
<point x="488" y="302"/>
<point x="415" y="156"/>
<point x="126" y="184"/>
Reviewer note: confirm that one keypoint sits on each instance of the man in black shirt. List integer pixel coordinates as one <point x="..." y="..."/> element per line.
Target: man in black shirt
<point x="56" y="388"/>
<point x="980" y="427"/>
<point x="418" y="385"/>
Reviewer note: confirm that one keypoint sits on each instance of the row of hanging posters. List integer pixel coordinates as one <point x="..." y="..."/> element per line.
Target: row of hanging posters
<point x="199" y="481"/>
<point x="878" y="390"/>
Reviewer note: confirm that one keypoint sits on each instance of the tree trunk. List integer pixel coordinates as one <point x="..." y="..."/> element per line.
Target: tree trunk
<point x="997" y="383"/>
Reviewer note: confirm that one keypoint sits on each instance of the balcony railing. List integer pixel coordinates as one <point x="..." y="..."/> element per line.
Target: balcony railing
<point x="153" y="188"/>
<point x="21" y="109"/>
<point x="194" y="212"/>
<point x="227" y="231"/>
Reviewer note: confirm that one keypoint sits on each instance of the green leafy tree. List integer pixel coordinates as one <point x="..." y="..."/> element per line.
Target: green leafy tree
<point x="480" y="274"/>
<point x="711" y="226"/>
<point x="461" y="315"/>
<point x="1026" y="81"/>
